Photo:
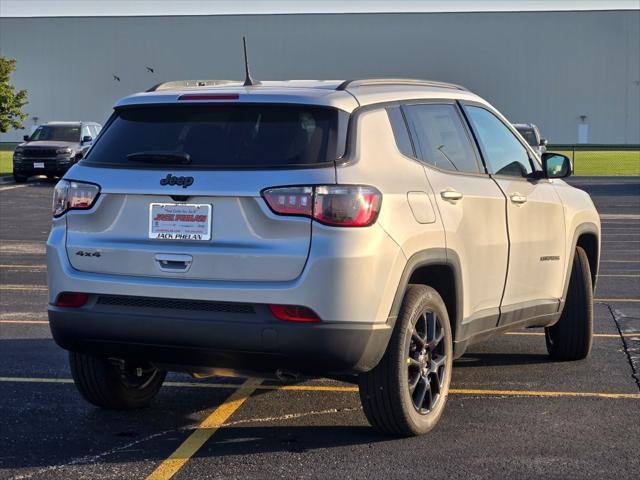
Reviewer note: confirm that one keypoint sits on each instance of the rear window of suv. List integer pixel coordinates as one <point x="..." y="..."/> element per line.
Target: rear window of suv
<point x="222" y="136"/>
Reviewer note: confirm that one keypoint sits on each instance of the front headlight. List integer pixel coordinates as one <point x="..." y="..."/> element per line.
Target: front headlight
<point x="73" y="196"/>
<point x="64" y="151"/>
<point x="18" y="152"/>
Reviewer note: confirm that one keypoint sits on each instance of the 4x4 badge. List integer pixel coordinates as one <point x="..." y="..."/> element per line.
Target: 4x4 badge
<point x="172" y="180"/>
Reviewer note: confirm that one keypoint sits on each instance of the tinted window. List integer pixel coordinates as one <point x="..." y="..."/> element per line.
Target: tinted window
<point x="529" y="135"/>
<point x="223" y="135"/>
<point x="504" y="154"/>
<point x="442" y="139"/>
<point x="400" y="131"/>
<point x="57" y="133"/>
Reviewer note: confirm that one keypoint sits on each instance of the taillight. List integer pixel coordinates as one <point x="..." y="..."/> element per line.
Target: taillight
<point x="290" y="200"/>
<point x="335" y="205"/>
<point x="294" y="313"/>
<point x="71" y="300"/>
<point x="70" y="195"/>
<point x="208" y="96"/>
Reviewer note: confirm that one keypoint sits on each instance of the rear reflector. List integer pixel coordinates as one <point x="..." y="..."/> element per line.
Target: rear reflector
<point x="294" y="313"/>
<point x="205" y="96"/>
<point x="71" y="300"/>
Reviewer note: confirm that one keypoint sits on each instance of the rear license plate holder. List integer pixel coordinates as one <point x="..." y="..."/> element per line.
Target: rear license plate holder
<point x="180" y="221"/>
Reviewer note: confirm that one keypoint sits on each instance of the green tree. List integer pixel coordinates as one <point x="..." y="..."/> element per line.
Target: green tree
<point x="11" y="102"/>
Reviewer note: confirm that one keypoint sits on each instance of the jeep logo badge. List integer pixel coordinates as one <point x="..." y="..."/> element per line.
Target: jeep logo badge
<point x="173" y="180"/>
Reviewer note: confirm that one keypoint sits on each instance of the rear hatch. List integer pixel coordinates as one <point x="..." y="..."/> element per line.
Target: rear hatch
<point x="181" y="190"/>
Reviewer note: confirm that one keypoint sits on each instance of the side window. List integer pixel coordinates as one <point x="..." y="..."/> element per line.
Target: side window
<point x="400" y="131"/>
<point x="86" y="132"/>
<point x="504" y="154"/>
<point x="441" y="137"/>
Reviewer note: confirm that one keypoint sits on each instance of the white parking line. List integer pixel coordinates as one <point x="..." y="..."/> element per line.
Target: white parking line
<point x="2" y="189"/>
<point x="37" y="288"/>
<point x="23" y="248"/>
<point x="617" y="275"/>
<point x="8" y="266"/>
<point x="619" y="261"/>
<point x="620" y="216"/>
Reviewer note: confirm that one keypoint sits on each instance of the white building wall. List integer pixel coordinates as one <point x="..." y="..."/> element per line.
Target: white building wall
<point x="548" y="68"/>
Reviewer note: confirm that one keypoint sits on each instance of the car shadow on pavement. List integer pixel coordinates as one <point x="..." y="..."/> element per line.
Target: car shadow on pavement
<point x="269" y="439"/>
<point x="497" y="359"/>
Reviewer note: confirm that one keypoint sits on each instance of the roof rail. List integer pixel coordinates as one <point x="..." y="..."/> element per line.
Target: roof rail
<point x="180" y="84"/>
<point x="370" y="82"/>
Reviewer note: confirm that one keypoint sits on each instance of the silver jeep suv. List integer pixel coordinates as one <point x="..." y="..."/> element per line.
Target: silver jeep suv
<point x="367" y="229"/>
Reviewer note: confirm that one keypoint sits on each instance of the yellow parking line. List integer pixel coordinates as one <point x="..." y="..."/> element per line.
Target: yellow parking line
<point x="597" y="335"/>
<point x="534" y="393"/>
<point x="205" y="430"/>
<point x="345" y="389"/>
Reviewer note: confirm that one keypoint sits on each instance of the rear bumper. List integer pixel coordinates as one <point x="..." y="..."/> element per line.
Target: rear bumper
<point x="350" y="276"/>
<point x="253" y="342"/>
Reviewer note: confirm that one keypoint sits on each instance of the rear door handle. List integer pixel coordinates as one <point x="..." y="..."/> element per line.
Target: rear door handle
<point x="517" y="198"/>
<point x="451" y="194"/>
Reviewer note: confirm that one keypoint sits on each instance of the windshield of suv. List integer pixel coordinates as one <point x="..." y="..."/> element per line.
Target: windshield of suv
<point x="223" y="136"/>
<point x="56" y="133"/>
<point x="529" y="135"/>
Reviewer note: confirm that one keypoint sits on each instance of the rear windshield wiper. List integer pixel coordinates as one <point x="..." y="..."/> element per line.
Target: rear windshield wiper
<point x="182" y="158"/>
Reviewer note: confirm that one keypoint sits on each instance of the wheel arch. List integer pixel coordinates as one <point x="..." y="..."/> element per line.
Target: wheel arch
<point x="589" y="242"/>
<point x="438" y="268"/>
<point x="587" y="236"/>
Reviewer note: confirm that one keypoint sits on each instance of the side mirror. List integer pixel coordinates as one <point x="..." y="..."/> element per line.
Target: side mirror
<point x="543" y="142"/>
<point x="555" y="165"/>
<point x="87" y="139"/>
<point x="26" y="138"/>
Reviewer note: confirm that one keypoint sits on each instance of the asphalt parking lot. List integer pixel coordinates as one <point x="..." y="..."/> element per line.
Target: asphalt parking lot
<point x="511" y="413"/>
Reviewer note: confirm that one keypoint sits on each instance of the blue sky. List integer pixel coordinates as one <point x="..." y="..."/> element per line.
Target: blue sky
<point x="46" y="8"/>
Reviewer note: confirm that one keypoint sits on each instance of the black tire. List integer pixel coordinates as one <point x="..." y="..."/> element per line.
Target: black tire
<point x="109" y="385"/>
<point x="20" y="178"/>
<point x="390" y="403"/>
<point x="570" y="338"/>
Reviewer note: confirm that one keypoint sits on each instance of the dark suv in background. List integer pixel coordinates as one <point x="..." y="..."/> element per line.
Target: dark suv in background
<point x="531" y="133"/>
<point x="52" y="148"/>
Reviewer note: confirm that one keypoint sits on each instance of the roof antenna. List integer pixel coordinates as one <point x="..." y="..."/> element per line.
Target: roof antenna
<point x="248" y="81"/>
